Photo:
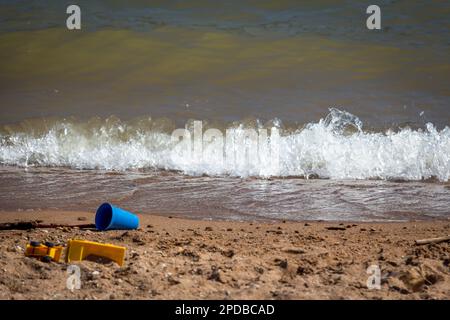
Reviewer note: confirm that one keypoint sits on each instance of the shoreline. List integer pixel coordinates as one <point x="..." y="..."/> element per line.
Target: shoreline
<point x="27" y="214"/>
<point x="179" y="258"/>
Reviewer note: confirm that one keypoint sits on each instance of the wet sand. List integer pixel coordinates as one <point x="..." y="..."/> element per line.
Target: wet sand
<point x="173" y="258"/>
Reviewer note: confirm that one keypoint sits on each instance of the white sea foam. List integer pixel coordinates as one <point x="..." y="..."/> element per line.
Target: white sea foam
<point x="335" y="147"/>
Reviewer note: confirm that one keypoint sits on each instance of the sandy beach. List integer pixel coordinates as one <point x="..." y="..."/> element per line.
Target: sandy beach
<point x="173" y="258"/>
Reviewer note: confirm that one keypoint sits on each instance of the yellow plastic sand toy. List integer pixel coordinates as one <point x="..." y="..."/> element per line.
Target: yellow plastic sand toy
<point x="78" y="250"/>
<point x="45" y="252"/>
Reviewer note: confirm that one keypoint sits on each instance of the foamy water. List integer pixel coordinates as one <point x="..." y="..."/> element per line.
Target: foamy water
<point x="335" y="147"/>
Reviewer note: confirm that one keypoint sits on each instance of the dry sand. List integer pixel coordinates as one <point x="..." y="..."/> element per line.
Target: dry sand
<point x="172" y="258"/>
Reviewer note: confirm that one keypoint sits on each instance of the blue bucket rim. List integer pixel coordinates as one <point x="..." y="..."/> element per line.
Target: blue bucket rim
<point x="103" y="226"/>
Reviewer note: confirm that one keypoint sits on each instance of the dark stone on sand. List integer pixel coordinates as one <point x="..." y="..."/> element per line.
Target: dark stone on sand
<point x="191" y="254"/>
<point x="139" y="241"/>
<point x="336" y="228"/>
<point x="197" y="271"/>
<point x="228" y="253"/>
<point x="293" y="250"/>
<point x="82" y="218"/>
<point x="172" y="281"/>
<point x="259" y="270"/>
<point x="208" y="229"/>
<point x="392" y="263"/>
<point x="134" y="255"/>
<point x="302" y="270"/>
<point x="432" y="278"/>
<point x="282" y="263"/>
<point x="411" y="261"/>
<point x="215" y="274"/>
<point x="401" y="290"/>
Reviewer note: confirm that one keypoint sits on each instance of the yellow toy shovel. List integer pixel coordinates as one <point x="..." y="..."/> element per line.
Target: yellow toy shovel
<point x="78" y="250"/>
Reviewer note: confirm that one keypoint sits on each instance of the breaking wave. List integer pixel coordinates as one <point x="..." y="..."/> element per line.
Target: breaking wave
<point x="335" y="147"/>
